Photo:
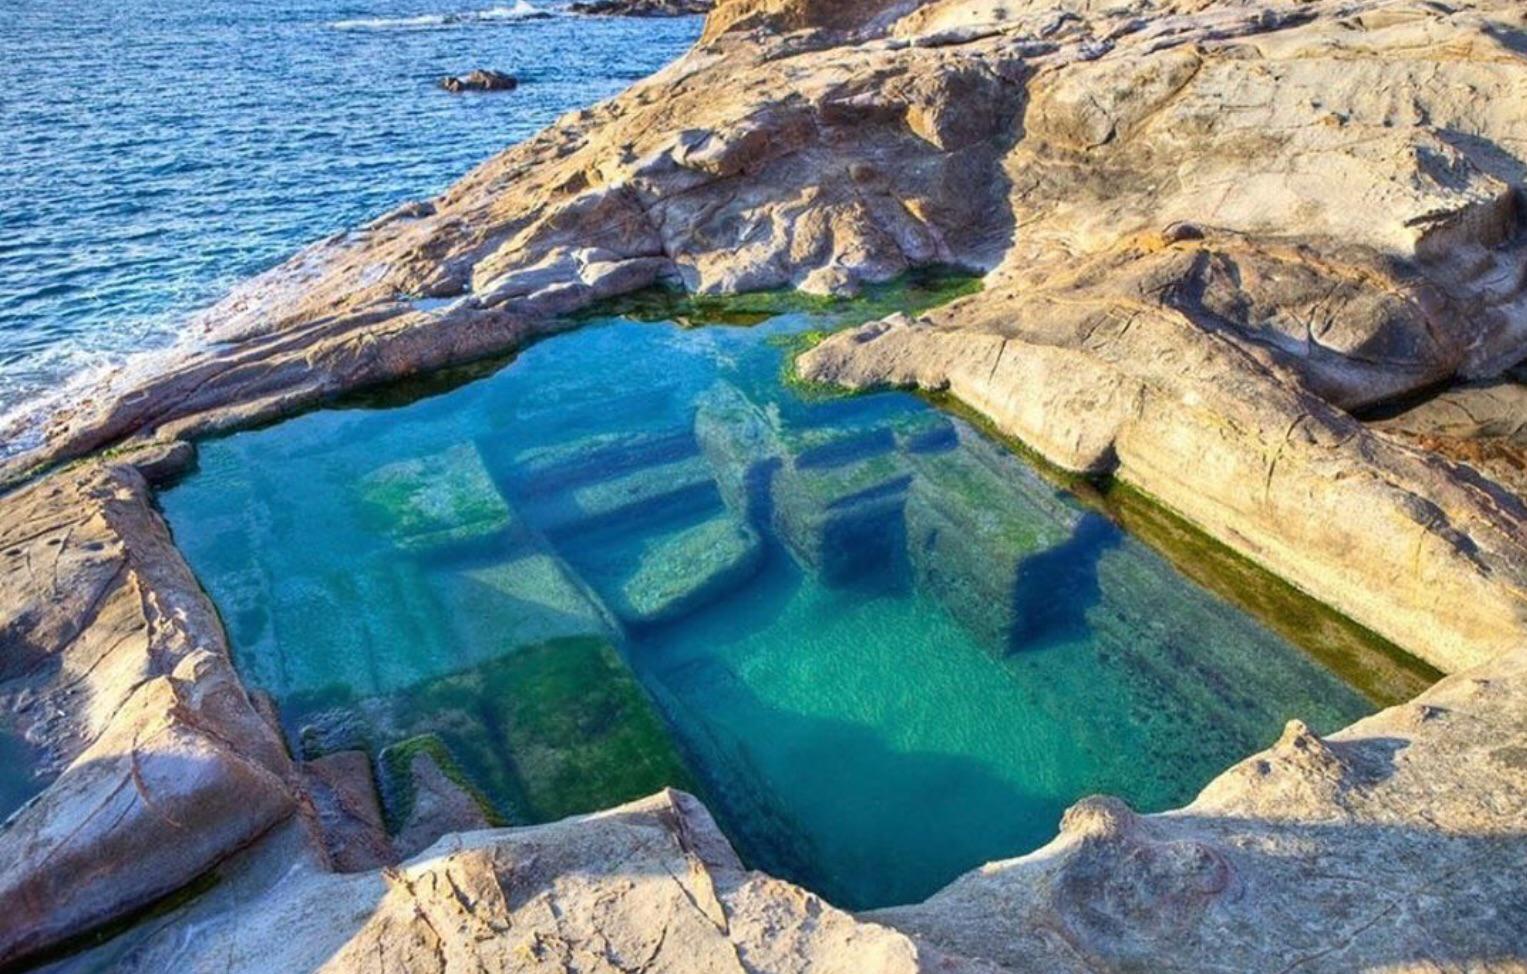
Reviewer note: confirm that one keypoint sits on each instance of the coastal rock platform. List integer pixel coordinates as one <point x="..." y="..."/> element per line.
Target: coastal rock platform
<point x="1264" y="261"/>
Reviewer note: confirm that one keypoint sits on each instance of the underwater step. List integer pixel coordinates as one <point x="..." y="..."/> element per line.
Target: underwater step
<point x="548" y="730"/>
<point x="648" y="578"/>
<point x="434" y="501"/>
<point x="544" y="468"/>
<point x="626" y="498"/>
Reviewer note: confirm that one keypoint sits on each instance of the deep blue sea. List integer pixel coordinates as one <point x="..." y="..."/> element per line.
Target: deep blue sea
<point x="154" y="153"/>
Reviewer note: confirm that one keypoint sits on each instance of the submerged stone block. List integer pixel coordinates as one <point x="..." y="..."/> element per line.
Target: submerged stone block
<point x="663" y="490"/>
<point x="549" y="730"/>
<point x="845" y="520"/>
<point x="740" y="444"/>
<point x="596" y="456"/>
<point x="493" y="608"/>
<point x="974" y="518"/>
<point x="434" y="501"/>
<point x="679" y="573"/>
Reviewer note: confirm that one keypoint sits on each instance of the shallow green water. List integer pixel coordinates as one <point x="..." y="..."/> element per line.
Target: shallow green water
<point x="879" y="645"/>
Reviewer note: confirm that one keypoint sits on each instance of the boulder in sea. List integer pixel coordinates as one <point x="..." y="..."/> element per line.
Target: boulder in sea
<point x="480" y="79"/>
<point x="642" y="8"/>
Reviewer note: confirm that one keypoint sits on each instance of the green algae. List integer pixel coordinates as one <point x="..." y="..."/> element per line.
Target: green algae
<point x="395" y="780"/>
<point x="545" y="731"/>
<point x="913" y="292"/>
<point x="434" y="501"/>
<point x="935" y="652"/>
<point x="1376" y="667"/>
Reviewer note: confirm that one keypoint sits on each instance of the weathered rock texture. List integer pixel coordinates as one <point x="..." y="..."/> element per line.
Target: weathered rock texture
<point x="1397" y="845"/>
<point x="1212" y="228"/>
<point x="651" y="886"/>
<point x="112" y="662"/>
<point x="1483" y="425"/>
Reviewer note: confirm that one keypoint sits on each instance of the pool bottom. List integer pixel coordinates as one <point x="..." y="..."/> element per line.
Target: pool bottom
<point x="880" y="647"/>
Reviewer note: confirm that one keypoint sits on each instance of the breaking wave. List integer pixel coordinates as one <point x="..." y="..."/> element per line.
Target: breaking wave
<point x="519" y="10"/>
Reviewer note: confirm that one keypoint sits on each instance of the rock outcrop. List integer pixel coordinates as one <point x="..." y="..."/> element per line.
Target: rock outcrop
<point x="113" y="664"/>
<point x="480" y="79"/>
<point x="1214" y="233"/>
<point x="642" y="8"/>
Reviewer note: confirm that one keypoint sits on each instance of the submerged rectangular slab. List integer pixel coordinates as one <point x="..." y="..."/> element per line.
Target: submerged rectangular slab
<point x="434" y="501"/>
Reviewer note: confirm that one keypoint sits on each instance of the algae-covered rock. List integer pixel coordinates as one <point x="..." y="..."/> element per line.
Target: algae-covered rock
<point x="428" y="795"/>
<point x="434" y="501"/>
<point x="675" y="574"/>
<point x="741" y="446"/>
<point x="973" y="518"/>
<point x="593" y="456"/>
<point x="843" y="519"/>
<point x="549" y="730"/>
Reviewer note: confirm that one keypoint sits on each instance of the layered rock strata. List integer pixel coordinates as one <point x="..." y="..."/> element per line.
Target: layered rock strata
<point x="115" y="668"/>
<point x="1213" y="231"/>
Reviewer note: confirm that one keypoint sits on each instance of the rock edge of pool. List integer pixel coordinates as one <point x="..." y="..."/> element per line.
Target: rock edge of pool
<point x="1323" y="388"/>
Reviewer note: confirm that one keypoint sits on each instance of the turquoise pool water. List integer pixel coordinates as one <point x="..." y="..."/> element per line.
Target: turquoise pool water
<point x="880" y="646"/>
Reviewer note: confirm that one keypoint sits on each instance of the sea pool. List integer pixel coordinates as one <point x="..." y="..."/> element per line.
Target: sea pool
<point x="879" y="645"/>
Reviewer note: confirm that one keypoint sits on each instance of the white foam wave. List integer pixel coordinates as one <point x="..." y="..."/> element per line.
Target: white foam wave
<point x="519" y="10"/>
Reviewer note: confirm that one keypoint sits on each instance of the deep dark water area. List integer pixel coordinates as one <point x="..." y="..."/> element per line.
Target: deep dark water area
<point x="882" y="647"/>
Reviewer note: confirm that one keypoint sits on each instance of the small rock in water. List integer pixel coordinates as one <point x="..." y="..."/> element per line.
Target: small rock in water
<point x="641" y="8"/>
<point x="480" y="80"/>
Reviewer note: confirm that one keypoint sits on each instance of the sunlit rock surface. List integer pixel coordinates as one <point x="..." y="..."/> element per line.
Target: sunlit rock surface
<point x="1211" y="231"/>
<point x="115" y="669"/>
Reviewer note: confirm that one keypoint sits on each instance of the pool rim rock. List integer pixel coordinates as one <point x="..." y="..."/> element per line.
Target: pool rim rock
<point x="950" y="110"/>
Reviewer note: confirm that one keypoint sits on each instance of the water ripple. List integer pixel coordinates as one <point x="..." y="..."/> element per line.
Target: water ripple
<point x="195" y="144"/>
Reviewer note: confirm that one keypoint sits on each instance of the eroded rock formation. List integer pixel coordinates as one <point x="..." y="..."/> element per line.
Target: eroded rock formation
<point x="1213" y="232"/>
<point x="115" y="668"/>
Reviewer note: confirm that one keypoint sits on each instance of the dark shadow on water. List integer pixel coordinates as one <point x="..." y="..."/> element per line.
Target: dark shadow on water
<point x="1054" y="589"/>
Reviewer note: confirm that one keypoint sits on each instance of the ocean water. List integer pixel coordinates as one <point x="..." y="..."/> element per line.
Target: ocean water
<point x="154" y="153"/>
<point x="879" y="645"/>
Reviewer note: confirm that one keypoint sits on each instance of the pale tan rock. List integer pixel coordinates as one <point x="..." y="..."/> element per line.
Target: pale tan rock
<point x="1211" y="226"/>
<point x="1211" y="229"/>
<point x="113" y="664"/>
<point x="650" y="886"/>
<point x="1394" y="845"/>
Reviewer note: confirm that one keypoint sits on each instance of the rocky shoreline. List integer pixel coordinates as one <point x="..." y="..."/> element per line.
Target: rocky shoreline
<point x="1215" y="235"/>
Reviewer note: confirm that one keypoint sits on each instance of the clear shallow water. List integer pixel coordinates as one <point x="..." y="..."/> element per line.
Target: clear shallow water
<point x="155" y="153"/>
<point x="880" y="646"/>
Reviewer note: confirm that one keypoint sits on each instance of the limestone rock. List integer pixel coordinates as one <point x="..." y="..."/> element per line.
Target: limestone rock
<point x="1481" y="425"/>
<point x="1362" y="851"/>
<point x="652" y="885"/>
<point x="1192" y="301"/>
<point x="349" y="817"/>
<point x="438" y="805"/>
<point x="1392" y="845"/>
